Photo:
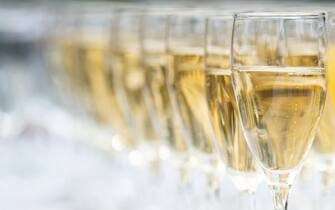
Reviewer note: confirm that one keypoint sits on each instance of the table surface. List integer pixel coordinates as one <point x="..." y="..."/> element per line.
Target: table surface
<point x="49" y="163"/>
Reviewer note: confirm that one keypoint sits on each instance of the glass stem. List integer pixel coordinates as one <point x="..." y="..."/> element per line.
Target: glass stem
<point x="328" y="177"/>
<point x="184" y="175"/>
<point x="155" y="164"/>
<point x="248" y="201"/>
<point x="280" y="196"/>
<point x="212" y="179"/>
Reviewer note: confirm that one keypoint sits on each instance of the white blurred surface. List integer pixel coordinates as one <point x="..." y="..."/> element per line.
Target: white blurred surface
<point x="48" y="161"/>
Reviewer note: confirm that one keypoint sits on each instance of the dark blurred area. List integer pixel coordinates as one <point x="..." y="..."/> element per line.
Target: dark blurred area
<point x="21" y="54"/>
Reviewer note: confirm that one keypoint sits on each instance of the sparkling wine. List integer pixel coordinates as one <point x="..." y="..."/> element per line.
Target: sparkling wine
<point x="324" y="143"/>
<point x="92" y="64"/>
<point x="130" y="80"/>
<point x="224" y="115"/>
<point x="85" y="63"/>
<point x="155" y="63"/>
<point x="280" y="108"/>
<point x="69" y="66"/>
<point x="186" y="73"/>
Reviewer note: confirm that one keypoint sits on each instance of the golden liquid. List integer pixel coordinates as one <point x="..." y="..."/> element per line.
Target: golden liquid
<point x="94" y="59"/>
<point x="85" y="66"/>
<point x="331" y="73"/>
<point x="76" y="81"/>
<point x="119" y="117"/>
<point x="131" y="78"/>
<point x="280" y="108"/>
<point x="186" y="73"/>
<point x="156" y="67"/>
<point x="324" y="142"/>
<point x="224" y="115"/>
<point x="92" y="63"/>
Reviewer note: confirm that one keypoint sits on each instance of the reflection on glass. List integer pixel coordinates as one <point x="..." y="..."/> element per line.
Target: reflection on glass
<point x="280" y="96"/>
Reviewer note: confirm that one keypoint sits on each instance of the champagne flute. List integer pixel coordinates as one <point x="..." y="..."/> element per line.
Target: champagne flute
<point x="280" y="93"/>
<point x="186" y="78"/>
<point x="96" y="31"/>
<point x="65" y="62"/>
<point x="324" y="146"/>
<point x="154" y="26"/>
<point x="68" y="73"/>
<point x="81" y="46"/>
<point x="233" y="149"/>
<point x="90" y="47"/>
<point x="129" y="79"/>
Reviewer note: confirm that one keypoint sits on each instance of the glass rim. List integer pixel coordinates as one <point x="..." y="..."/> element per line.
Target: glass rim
<point x="166" y="11"/>
<point x="129" y="12"/>
<point x="280" y="15"/>
<point x="201" y="12"/>
<point x="162" y="11"/>
<point x="226" y="16"/>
